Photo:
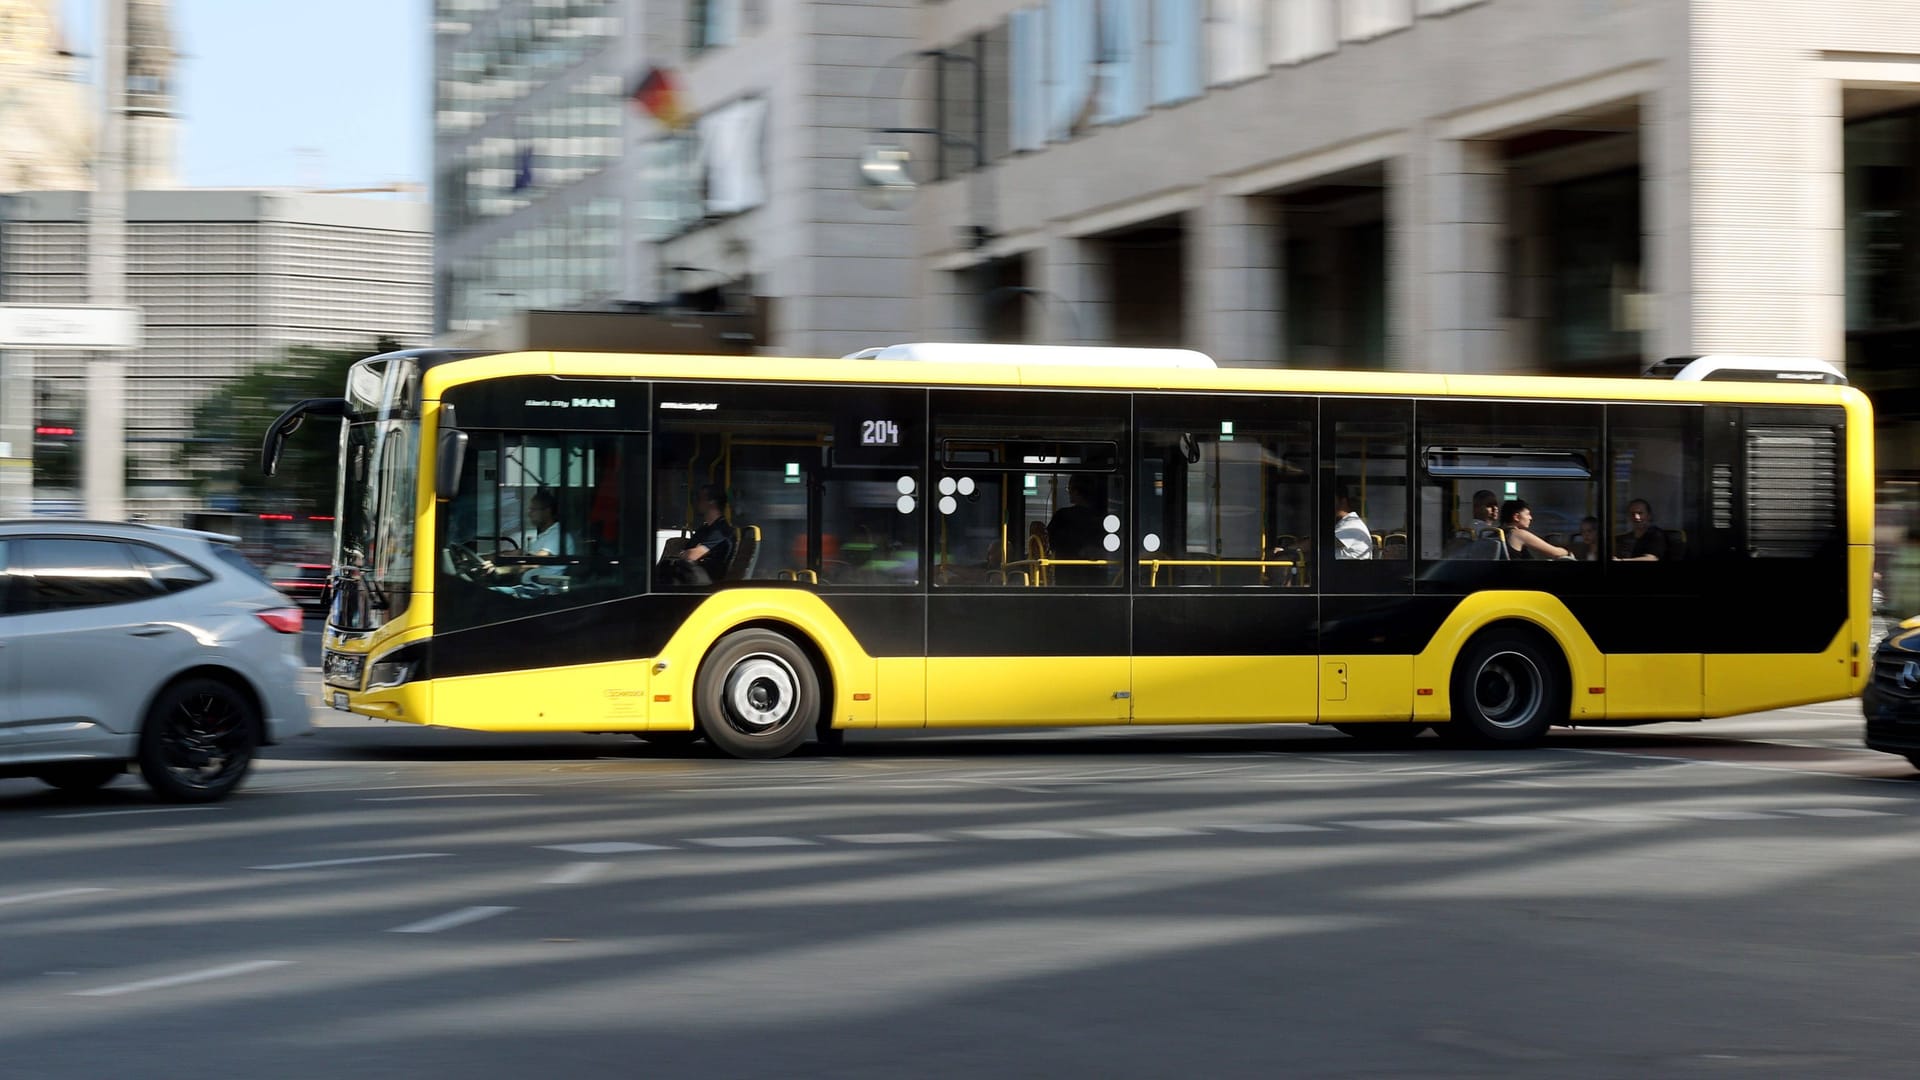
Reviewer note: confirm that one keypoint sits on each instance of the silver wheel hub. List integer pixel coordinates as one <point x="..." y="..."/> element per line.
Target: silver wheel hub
<point x="1508" y="689"/>
<point x="760" y="692"/>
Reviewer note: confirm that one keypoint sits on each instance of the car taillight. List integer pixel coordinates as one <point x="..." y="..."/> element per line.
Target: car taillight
<point x="287" y="620"/>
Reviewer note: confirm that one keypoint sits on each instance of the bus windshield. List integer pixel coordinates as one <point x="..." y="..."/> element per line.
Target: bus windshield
<point x="374" y="523"/>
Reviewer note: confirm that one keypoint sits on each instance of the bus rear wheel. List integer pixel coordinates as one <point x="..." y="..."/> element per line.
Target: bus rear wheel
<point x="757" y="695"/>
<point x="1509" y="687"/>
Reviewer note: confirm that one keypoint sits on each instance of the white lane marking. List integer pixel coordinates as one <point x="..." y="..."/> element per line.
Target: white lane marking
<point x="1390" y="824"/>
<point x="1643" y="756"/>
<point x="752" y="841"/>
<point x="50" y="894"/>
<point x="426" y="798"/>
<point x="1143" y="831"/>
<point x="1613" y="817"/>
<point x="125" y="813"/>
<point x="575" y="873"/>
<point x="354" y="861"/>
<point x="889" y="838"/>
<point x="1270" y="827"/>
<point x="450" y="920"/>
<point x="182" y="980"/>
<point x="1722" y="815"/>
<point x="1510" y="819"/>
<point x="605" y="847"/>
<point x="1021" y="834"/>
<point x="1839" y="811"/>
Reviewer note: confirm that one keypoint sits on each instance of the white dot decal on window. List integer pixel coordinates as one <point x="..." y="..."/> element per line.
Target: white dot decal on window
<point x="905" y="485"/>
<point x="966" y="485"/>
<point x="1151" y="541"/>
<point x="948" y="505"/>
<point x="905" y="504"/>
<point x="1113" y="542"/>
<point x="1112" y="523"/>
<point x="946" y="485"/>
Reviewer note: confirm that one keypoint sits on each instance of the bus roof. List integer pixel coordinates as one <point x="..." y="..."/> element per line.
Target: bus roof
<point x="961" y="352"/>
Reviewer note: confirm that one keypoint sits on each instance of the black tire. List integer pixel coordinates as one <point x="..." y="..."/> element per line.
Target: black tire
<point x="1387" y="734"/>
<point x="199" y="741"/>
<point x="757" y="695"/>
<point x="81" y="775"/>
<point x="829" y="737"/>
<point x="1509" y="687"/>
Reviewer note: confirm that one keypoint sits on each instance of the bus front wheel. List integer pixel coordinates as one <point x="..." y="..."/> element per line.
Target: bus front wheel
<point x="1509" y="687"/>
<point x="757" y="695"/>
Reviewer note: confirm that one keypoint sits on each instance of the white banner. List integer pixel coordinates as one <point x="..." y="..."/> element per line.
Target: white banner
<point x="25" y="326"/>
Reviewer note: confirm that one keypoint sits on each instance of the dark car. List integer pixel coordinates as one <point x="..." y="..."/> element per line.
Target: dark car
<point x="303" y="583"/>
<point x="1892" y="698"/>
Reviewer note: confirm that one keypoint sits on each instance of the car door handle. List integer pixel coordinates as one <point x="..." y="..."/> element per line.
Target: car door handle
<point x="149" y="631"/>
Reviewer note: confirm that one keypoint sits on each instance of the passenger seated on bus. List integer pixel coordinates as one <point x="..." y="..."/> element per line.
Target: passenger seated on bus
<point x="1486" y="512"/>
<point x="1351" y="538"/>
<point x="1515" y="517"/>
<point x="710" y="546"/>
<point x="1076" y="533"/>
<point x="1586" y="546"/>
<point x="1643" y="541"/>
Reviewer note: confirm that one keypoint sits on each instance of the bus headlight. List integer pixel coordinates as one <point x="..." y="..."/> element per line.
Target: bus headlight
<point x="406" y="664"/>
<point x="387" y="673"/>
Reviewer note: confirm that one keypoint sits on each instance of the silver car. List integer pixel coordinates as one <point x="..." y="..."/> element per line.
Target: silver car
<point x="131" y="644"/>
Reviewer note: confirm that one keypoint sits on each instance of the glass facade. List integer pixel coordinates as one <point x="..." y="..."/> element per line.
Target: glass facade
<point x="528" y="118"/>
<point x="1883" y="332"/>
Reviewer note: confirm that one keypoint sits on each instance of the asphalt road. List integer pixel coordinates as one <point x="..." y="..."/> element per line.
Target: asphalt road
<point x="387" y="901"/>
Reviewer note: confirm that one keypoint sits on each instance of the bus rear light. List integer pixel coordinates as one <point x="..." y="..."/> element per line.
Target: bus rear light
<point x="287" y="620"/>
<point x="1425" y="691"/>
<point x="1596" y="689"/>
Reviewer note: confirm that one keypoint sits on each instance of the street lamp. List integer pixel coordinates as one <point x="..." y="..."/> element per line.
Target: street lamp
<point x="886" y="165"/>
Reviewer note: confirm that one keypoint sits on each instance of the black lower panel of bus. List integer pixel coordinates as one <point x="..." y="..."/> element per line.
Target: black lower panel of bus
<point x="624" y="629"/>
<point x="1026" y="622"/>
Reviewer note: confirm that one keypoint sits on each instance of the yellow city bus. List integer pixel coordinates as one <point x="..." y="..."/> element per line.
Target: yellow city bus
<point x="758" y="551"/>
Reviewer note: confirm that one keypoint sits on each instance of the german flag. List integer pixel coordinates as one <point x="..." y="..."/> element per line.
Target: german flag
<point x="658" y="92"/>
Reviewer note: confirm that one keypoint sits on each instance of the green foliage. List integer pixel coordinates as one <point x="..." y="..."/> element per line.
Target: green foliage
<point x="230" y="423"/>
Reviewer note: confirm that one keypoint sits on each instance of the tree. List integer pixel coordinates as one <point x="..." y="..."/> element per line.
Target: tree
<point x="229" y="424"/>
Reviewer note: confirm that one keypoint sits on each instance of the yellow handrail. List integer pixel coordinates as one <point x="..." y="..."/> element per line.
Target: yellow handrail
<point x="1154" y="565"/>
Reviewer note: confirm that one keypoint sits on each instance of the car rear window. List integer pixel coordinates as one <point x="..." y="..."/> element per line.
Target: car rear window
<point x="233" y="558"/>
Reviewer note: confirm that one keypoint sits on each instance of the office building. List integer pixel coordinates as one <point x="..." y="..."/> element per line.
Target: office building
<point x="226" y="281"/>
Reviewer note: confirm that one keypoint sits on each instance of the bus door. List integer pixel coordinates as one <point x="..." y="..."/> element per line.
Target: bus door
<point x="1224" y="612"/>
<point x="1027" y="615"/>
<point x="1370" y="626"/>
<point x="1777" y="592"/>
<point x="1659" y="552"/>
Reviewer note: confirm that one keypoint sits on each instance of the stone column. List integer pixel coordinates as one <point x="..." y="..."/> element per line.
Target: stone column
<point x="16" y="433"/>
<point x="1234" y="294"/>
<point x="1464" y="271"/>
<point x="1074" y="293"/>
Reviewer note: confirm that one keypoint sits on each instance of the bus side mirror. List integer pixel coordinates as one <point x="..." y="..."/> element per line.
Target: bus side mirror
<point x="288" y="422"/>
<point x="448" y="460"/>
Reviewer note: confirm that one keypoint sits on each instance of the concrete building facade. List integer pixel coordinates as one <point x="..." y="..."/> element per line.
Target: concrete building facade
<point x="226" y="281"/>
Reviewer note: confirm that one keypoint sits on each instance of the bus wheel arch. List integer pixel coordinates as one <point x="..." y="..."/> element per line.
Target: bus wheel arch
<point x="1511" y="681"/>
<point x="761" y="690"/>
